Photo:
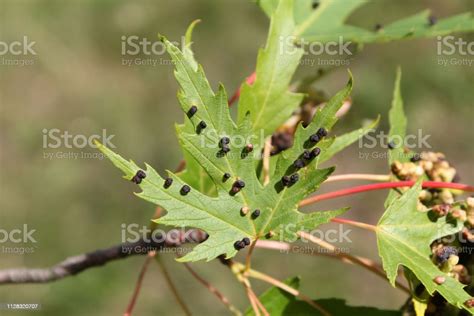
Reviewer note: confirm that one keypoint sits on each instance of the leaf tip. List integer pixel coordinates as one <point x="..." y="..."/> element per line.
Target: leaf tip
<point x="350" y="82"/>
<point x="189" y="32"/>
<point x="398" y="73"/>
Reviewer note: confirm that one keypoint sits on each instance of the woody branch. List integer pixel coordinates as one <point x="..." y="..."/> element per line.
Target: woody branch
<point x="77" y="264"/>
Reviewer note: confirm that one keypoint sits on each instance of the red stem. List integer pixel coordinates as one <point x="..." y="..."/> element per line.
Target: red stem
<point x="250" y="79"/>
<point x="385" y="185"/>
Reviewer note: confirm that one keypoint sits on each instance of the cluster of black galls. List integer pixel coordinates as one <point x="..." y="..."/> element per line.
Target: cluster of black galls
<point x="306" y="156"/>
<point x="241" y="244"/>
<point x="138" y="177"/>
<point x="224" y="144"/>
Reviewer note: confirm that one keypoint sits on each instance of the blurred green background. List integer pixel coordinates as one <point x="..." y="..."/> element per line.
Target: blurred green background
<point x="77" y="83"/>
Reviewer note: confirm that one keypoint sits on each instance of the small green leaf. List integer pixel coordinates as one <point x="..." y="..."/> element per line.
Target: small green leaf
<point x="323" y="118"/>
<point x="404" y="236"/>
<point x="327" y="23"/>
<point x="398" y="129"/>
<point x="398" y="123"/>
<point x="346" y="140"/>
<point x="268" y="99"/>
<point x="280" y="303"/>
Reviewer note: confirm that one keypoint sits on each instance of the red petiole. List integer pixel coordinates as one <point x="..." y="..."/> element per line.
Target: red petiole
<point x="386" y="185"/>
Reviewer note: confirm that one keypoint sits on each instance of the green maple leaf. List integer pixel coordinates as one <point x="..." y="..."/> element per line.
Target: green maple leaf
<point x="220" y="216"/>
<point x="323" y="118"/>
<point x="404" y="236"/>
<point x="328" y="23"/>
<point x="344" y="140"/>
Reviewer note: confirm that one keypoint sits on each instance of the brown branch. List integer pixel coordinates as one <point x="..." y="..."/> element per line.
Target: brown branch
<point x="74" y="265"/>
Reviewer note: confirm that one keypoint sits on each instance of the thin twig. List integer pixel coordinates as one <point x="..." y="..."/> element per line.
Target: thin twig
<point x="286" y="247"/>
<point x="241" y="273"/>
<point x="238" y="270"/>
<point x="172" y="287"/>
<point x="363" y="262"/>
<point x="138" y="285"/>
<point x="354" y="223"/>
<point x="213" y="290"/>
<point x="144" y="268"/>
<point x="258" y="302"/>
<point x="266" y="278"/>
<point x="358" y="176"/>
<point x="253" y="301"/>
